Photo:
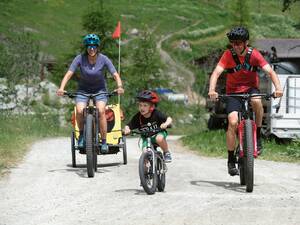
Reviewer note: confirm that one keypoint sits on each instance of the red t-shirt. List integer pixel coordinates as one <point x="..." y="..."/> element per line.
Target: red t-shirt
<point x="242" y="80"/>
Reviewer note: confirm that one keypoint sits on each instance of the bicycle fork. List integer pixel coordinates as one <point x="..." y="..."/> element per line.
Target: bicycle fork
<point x="241" y="134"/>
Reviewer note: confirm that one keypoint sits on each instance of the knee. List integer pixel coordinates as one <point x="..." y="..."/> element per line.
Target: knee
<point x="159" y="139"/>
<point x="232" y="123"/>
<point x="101" y="112"/>
<point x="256" y="103"/>
<point x="79" y="112"/>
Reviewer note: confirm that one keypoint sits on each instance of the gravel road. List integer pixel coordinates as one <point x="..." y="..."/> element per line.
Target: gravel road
<point x="44" y="189"/>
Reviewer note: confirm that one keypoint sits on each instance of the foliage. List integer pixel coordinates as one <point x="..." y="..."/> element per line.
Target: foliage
<point x="144" y="70"/>
<point x="287" y="4"/>
<point x="240" y="13"/>
<point x="6" y="61"/>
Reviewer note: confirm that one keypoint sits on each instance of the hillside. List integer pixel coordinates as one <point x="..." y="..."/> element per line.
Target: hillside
<point x="199" y="24"/>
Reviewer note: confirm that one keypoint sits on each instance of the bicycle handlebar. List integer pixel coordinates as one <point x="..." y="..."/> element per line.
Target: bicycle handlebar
<point x="248" y="96"/>
<point x="146" y="133"/>
<point x="75" y="94"/>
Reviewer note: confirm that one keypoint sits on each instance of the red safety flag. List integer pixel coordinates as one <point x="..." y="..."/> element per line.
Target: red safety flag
<point x="117" y="32"/>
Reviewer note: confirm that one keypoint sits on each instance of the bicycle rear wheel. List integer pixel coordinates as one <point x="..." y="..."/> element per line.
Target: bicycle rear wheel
<point x="161" y="175"/>
<point x="147" y="177"/>
<point x="249" y="158"/>
<point x="89" y="146"/>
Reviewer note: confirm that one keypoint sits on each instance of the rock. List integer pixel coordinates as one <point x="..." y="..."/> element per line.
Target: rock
<point x="185" y="45"/>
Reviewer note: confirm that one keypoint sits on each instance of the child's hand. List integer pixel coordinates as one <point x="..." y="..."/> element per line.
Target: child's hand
<point x="126" y="130"/>
<point x="163" y="126"/>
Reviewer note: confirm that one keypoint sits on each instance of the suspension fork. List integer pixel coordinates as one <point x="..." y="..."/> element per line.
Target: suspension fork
<point x="149" y="149"/>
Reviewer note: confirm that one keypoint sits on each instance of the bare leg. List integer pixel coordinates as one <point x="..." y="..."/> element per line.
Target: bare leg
<point x="258" y="109"/>
<point x="231" y="131"/>
<point x="79" y="114"/>
<point x="102" y="119"/>
<point x="161" y="141"/>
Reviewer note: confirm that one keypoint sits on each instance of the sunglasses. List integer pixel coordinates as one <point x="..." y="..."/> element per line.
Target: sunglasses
<point x="237" y="43"/>
<point x="92" y="47"/>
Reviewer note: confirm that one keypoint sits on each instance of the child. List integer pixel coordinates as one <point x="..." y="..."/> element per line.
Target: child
<point x="149" y="118"/>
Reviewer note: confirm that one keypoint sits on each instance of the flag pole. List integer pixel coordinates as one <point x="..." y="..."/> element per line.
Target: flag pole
<point x="119" y="65"/>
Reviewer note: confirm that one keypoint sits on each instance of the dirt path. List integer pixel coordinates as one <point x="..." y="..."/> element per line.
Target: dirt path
<point x="44" y="189"/>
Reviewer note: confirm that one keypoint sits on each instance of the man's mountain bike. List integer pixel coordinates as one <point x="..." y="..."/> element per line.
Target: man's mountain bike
<point x="246" y="150"/>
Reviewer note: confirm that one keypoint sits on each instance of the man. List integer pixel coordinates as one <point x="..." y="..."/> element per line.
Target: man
<point x="240" y="63"/>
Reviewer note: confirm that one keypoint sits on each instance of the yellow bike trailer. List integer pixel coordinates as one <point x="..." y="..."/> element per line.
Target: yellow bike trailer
<point x="115" y="140"/>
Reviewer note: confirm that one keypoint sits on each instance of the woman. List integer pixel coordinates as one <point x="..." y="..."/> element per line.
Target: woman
<point x="91" y="64"/>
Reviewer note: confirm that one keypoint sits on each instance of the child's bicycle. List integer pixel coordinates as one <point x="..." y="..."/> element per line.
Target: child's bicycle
<point x="246" y="150"/>
<point x="91" y="135"/>
<point x="152" y="166"/>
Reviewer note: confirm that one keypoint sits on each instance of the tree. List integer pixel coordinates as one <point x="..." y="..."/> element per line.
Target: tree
<point x="101" y="22"/>
<point x="144" y="70"/>
<point x="26" y="65"/>
<point x="286" y="4"/>
<point x="240" y="12"/>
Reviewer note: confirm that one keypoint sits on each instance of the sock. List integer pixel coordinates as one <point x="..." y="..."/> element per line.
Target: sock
<point x="231" y="156"/>
<point x="258" y="132"/>
<point x="103" y="141"/>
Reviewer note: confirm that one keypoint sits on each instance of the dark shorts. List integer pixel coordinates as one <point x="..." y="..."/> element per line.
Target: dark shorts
<point x="235" y="103"/>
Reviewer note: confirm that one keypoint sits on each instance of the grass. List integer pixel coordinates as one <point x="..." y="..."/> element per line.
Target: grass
<point x="17" y="133"/>
<point x="213" y="143"/>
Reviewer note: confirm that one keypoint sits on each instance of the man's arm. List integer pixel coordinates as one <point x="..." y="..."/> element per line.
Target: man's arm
<point x="213" y="81"/>
<point x="274" y="77"/>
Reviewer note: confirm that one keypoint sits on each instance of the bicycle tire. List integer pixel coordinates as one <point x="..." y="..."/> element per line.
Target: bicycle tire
<point x="95" y="159"/>
<point x="124" y="151"/>
<point x="249" y="158"/>
<point x="148" y="179"/>
<point x="161" y="175"/>
<point x="73" y="150"/>
<point x="89" y="145"/>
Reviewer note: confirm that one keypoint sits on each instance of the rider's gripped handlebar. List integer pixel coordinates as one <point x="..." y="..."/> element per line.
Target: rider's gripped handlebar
<point x="146" y="133"/>
<point x="75" y="94"/>
<point x="248" y="95"/>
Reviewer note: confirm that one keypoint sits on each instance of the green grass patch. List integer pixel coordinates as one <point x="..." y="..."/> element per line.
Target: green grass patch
<point x="18" y="132"/>
<point x="213" y="143"/>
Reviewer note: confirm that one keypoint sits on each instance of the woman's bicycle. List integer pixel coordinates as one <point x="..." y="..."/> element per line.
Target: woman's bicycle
<point x="246" y="150"/>
<point x="90" y="132"/>
<point x="152" y="166"/>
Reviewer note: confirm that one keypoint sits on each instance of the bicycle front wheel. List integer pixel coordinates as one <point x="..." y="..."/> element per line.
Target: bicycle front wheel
<point x="161" y="175"/>
<point x="89" y="146"/>
<point x="147" y="177"/>
<point x="249" y="158"/>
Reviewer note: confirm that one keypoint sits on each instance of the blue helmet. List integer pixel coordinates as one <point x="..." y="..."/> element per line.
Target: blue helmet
<point x="91" y="39"/>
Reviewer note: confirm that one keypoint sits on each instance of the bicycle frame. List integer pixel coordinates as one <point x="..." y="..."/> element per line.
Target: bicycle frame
<point x="245" y="114"/>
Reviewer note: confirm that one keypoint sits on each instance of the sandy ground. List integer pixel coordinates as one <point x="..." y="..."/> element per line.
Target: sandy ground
<point x="44" y="189"/>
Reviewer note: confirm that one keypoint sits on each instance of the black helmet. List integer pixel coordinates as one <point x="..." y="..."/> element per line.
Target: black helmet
<point x="238" y="34"/>
<point x="148" y="96"/>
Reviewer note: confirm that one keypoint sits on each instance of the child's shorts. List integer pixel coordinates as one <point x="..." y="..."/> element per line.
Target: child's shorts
<point x="153" y="138"/>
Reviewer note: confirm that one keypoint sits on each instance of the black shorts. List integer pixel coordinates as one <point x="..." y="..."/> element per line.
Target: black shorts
<point x="235" y="103"/>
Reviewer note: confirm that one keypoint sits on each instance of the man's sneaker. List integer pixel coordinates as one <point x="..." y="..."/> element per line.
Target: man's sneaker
<point x="167" y="157"/>
<point x="232" y="170"/>
<point x="104" y="148"/>
<point x="259" y="147"/>
<point x="80" y="141"/>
